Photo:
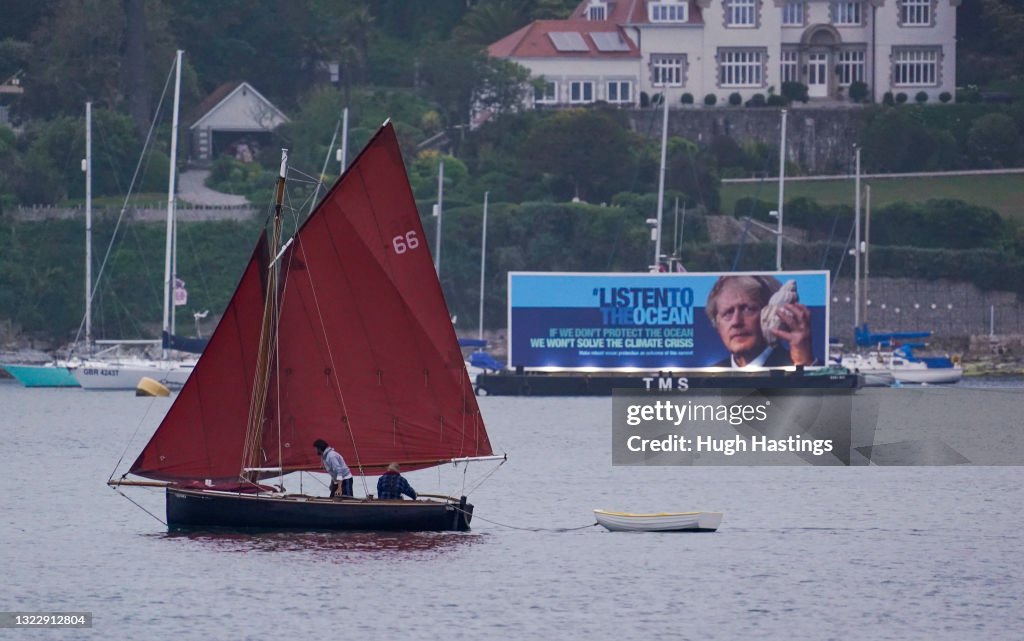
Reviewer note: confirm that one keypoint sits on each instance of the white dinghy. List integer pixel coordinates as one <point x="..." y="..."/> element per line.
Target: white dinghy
<point x="660" y="522"/>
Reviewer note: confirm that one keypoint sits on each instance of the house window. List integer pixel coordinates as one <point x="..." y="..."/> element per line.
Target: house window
<point x="741" y="13"/>
<point x="915" y="67"/>
<point x="740" y="67"/>
<point x="847" y="13"/>
<point x="850" y="65"/>
<point x="667" y="71"/>
<point x="597" y="11"/>
<point x="620" y="91"/>
<point x="916" y="13"/>
<point x="793" y="13"/>
<point x="581" y="91"/>
<point x="668" y="11"/>
<point x="546" y="94"/>
<point x="790" y="71"/>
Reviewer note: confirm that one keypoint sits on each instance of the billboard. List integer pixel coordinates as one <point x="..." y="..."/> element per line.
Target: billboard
<point x="587" y="321"/>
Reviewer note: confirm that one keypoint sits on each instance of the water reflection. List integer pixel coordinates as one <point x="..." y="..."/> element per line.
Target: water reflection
<point x="339" y="544"/>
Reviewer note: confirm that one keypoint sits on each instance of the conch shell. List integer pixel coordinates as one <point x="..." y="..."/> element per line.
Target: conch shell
<point x="770" y="313"/>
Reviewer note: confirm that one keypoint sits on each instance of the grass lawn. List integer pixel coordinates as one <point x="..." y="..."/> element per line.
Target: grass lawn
<point x="1003" y="193"/>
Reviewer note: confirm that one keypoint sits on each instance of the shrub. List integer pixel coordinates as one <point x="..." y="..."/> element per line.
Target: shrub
<point x="945" y="97"/>
<point x="686" y="99"/>
<point x="757" y="100"/>
<point x="645" y="100"/>
<point x="794" y="91"/>
<point x="968" y="94"/>
<point x="776" y="101"/>
<point x="901" y="98"/>
<point x="735" y="99"/>
<point x="921" y="97"/>
<point x="887" y="99"/>
<point x="992" y="140"/>
<point x="858" y="91"/>
<point x="710" y="100"/>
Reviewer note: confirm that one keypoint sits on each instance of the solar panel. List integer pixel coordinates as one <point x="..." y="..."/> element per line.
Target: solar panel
<point x="609" y="41"/>
<point x="568" y="41"/>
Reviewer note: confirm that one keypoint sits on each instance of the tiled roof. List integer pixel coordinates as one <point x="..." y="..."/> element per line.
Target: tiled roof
<point x="535" y="41"/>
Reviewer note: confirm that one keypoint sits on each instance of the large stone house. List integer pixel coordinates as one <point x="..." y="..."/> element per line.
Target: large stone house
<point x="612" y="50"/>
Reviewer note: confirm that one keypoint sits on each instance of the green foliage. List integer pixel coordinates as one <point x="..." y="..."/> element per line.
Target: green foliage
<point x="904" y="140"/>
<point x="757" y="100"/>
<point x="858" y="91"/>
<point x="686" y="98"/>
<point x="735" y="99"/>
<point x="888" y="100"/>
<point x="993" y="140"/>
<point x="533" y="236"/>
<point x="921" y="97"/>
<point x="581" y="153"/>
<point x="945" y="97"/>
<point x="42" y="268"/>
<point x="710" y="100"/>
<point x="901" y="98"/>
<point x="795" y="91"/>
<point x="423" y="175"/>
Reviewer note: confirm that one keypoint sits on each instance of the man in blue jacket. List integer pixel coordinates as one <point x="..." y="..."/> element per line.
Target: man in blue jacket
<point x="392" y="486"/>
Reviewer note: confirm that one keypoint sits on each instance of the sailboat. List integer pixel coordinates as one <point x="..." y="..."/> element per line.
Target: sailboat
<point x="109" y="371"/>
<point x="343" y="334"/>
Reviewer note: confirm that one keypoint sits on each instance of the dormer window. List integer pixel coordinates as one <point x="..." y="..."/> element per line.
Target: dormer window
<point x="668" y="11"/>
<point x="597" y="11"/>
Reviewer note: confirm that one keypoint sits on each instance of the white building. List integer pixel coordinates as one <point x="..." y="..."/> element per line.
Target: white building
<point x="612" y="50"/>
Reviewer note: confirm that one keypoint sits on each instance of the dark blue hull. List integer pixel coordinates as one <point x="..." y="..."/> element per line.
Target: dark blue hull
<point x="197" y="509"/>
<point x="509" y="383"/>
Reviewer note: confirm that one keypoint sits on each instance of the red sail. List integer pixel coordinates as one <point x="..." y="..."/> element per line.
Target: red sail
<point x="366" y="359"/>
<point x="202" y="434"/>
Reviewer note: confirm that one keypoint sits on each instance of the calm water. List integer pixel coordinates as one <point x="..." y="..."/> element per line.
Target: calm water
<point x="803" y="553"/>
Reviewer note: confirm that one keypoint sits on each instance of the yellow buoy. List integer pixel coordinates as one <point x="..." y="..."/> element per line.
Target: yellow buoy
<point x="150" y="387"/>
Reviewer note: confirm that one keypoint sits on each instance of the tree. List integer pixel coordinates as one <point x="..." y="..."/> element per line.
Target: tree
<point x="584" y="152"/>
<point x="491" y="21"/>
<point x="76" y="58"/>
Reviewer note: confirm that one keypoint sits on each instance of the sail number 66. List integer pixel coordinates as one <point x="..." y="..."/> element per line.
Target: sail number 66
<point x="403" y="243"/>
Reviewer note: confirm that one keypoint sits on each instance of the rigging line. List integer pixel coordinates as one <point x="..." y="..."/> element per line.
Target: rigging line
<point x="138" y="505"/>
<point x="300" y="247"/>
<point x="132" y="438"/>
<point x="198" y="265"/>
<point x="483" y="479"/>
<point x="327" y="158"/>
<point x="842" y="255"/>
<point x="124" y="205"/>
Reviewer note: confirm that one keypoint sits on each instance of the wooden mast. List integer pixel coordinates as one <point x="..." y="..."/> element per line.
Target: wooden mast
<point x="251" y="454"/>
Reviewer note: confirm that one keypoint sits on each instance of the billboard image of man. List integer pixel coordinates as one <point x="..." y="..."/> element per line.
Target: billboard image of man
<point x="734" y="306"/>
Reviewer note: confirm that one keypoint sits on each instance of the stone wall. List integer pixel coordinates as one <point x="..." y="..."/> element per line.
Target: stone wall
<point x="950" y="310"/>
<point x="818" y="139"/>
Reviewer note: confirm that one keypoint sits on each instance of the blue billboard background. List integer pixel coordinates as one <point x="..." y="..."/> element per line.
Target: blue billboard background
<point x="625" y="321"/>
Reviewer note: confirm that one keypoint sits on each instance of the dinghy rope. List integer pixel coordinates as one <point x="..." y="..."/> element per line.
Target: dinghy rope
<point x="528" y="529"/>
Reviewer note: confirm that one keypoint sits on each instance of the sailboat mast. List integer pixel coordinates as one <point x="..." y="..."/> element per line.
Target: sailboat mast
<point x="782" y="189"/>
<point x="438" y="212"/>
<point x="856" y="241"/>
<point x="655" y="266"/>
<point x="88" y="223"/>
<point x="168" y="249"/>
<point x="483" y="264"/>
<point x="268" y="330"/>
